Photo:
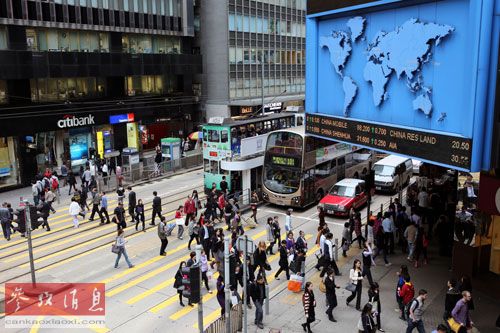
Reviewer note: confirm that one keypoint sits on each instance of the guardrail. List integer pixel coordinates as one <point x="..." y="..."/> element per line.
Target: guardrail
<point x="149" y="171"/>
<point x="219" y="326"/>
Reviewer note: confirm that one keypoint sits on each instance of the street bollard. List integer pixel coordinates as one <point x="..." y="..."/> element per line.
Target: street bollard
<point x="336" y="253"/>
<point x="267" y="300"/>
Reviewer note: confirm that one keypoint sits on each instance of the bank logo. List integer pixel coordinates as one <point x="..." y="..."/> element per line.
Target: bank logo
<point x="72" y="121"/>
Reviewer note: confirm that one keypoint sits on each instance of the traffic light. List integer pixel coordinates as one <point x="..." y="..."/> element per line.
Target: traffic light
<point x="232" y="270"/>
<point x="21" y="221"/>
<point x="35" y="222"/>
<point x="191" y="282"/>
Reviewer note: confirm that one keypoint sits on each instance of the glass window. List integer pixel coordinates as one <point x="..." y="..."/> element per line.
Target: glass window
<point x="3" y="38"/>
<point x="239" y="23"/>
<point x="232" y="55"/>
<point x="140" y="85"/>
<point x="246" y="24"/>
<point x="213" y="136"/>
<point x="3" y="91"/>
<point x="64" y="40"/>
<point x="224" y="134"/>
<point x="232" y="22"/>
<point x="31" y="40"/>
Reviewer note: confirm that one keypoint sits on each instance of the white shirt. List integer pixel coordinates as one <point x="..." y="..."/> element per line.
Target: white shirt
<point x="74" y="208"/>
<point x="470" y="192"/>
<point x="288" y="222"/>
<point x="105" y="168"/>
<point x="322" y="239"/>
<point x="423" y="199"/>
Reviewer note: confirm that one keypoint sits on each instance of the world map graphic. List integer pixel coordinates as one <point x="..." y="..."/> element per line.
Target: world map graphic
<point x="402" y="53"/>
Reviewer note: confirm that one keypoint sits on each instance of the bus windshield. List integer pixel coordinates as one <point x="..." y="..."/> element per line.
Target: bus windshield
<point x="343" y="191"/>
<point x="383" y="170"/>
<point x="281" y="180"/>
<point x="285" y="143"/>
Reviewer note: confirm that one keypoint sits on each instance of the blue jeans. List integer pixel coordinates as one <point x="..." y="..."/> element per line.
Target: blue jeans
<point x="36" y="200"/>
<point x="124" y="252"/>
<point x="259" y="313"/>
<point x="419" y="325"/>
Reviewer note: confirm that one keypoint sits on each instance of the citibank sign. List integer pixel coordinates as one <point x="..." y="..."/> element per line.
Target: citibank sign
<point x="72" y="121"/>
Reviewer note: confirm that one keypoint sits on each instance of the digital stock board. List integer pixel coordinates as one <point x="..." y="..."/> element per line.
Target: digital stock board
<point x="406" y="77"/>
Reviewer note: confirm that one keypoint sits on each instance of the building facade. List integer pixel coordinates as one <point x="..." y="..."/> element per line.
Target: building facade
<point x="253" y="55"/>
<point x="102" y="74"/>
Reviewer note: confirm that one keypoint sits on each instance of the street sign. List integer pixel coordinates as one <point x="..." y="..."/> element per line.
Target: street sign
<point x="241" y="245"/>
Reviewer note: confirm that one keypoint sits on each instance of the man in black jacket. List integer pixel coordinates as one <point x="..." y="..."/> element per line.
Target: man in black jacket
<point x="283" y="261"/>
<point x="453" y="295"/>
<point x="206" y="234"/>
<point x="44" y="210"/>
<point x="132" y="203"/>
<point x="156" y="207"/>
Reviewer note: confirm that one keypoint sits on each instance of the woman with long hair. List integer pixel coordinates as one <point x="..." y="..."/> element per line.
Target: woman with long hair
<point x="178" y="282"/>
<point x="366" y="323"/>
<point x="374" y="300"/>
<point x="356" y="278"/>
<point x="309" y="303"/>
<point x="120" y="242"/>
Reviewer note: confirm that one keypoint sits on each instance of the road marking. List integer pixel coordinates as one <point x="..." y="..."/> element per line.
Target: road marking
<point x="157" y="308"/>
<point x="179" y="314"/>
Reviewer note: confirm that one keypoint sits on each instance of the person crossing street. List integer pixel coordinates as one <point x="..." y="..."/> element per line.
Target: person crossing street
<point x="132" y="203"/>
<point x="96" y="201"/>
<point x="156" y="208"/>
<point x="162" y="234"/>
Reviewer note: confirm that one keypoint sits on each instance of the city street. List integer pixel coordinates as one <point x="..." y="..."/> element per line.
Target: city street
<point x="143" y="298"/>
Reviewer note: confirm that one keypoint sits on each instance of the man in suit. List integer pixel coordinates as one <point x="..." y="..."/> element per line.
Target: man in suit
<point x="156" y="207"/>
<point x="206" y="234"/>
<point x="132" y="203"/>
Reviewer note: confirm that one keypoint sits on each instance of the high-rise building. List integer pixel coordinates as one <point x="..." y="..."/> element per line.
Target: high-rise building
<point x="101" y="74"/>
<point x="253" y="54"/>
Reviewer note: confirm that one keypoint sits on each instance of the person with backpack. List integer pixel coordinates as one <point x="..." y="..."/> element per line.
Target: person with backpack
<point x="96" y="201"/>
<point x="407" y="293"/>
<point x="414" y="311"/>
<point x="162" y="234"/>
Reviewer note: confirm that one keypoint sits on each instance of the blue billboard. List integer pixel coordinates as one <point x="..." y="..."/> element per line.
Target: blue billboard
<point x="406" y="77"/>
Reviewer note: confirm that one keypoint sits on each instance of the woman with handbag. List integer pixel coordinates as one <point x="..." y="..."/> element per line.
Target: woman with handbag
<point x="309" y="304"/>
<point x="119" y="249"/>
<point x="366" y="323"/>
<point x="178" y="282"/>
<point x="331" y="296"/>
<point x="374" y="300"/>
<point x="355" y="286"/>
<point x="260" y="259"/>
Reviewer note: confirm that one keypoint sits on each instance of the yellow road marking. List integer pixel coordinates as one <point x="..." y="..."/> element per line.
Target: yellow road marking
<point x="173" y="299"/>
<point x="208" y="297"/>
<point x="214" y="315"/>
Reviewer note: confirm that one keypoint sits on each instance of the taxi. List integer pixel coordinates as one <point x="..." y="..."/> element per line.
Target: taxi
<point x="344" y="195"/>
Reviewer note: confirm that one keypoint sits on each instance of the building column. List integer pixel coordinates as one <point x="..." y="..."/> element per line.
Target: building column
<point x="246" y="184"/>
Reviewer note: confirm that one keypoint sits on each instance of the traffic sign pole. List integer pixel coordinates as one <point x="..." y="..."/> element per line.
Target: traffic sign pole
<point x="27" y="212"/>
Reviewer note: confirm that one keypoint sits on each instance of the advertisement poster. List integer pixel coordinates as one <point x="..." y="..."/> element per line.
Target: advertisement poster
<point x="78" y="146"/>
<point x="132" y="139"/>
<point x="4" y="162"/>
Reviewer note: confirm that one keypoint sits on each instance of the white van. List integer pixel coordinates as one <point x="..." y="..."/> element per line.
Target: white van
<point x="392" y="173"/>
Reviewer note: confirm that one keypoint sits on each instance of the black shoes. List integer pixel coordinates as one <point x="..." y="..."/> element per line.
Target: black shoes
<point x="304" y="327"/>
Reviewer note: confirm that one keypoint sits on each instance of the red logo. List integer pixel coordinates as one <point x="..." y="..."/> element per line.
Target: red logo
<point x="55" y="299"/>
<point x="213" y="153"/>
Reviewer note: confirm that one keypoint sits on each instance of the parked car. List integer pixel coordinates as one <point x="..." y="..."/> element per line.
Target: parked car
<point x="344" y="195"/>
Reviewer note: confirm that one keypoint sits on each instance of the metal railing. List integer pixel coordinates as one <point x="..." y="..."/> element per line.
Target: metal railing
<point x="148" y="170"/>
<point x="219" y="325"/>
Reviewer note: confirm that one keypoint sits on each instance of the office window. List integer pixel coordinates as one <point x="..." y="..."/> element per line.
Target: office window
<point x="3" y="91"/>
<point x="3" y="38"/>
<point x="144" y="85"/>
<point x="232" y="22"/>
<point x="66" y="40"/>
<point x="61" y="89"/>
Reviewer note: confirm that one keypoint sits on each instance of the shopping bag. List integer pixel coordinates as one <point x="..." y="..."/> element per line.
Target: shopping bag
<point x="115" y="248"/>
<point x="322" y="286"/>
<point x="350" y="287"/>
<point x="209" y="275"/>
<point x="294" y="286"/>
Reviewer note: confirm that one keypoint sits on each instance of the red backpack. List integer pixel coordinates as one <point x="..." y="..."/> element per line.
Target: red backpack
<point x="55" y="183"/>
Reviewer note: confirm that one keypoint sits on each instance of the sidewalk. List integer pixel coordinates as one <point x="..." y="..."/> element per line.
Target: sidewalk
<point x="286" y="311"/>
<point x="14" y="196"/>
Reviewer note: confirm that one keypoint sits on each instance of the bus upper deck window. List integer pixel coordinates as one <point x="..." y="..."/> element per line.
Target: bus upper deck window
<point x="223" y="136"/>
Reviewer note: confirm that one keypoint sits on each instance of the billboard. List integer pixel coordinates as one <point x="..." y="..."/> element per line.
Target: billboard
<point x="407" y="77"/>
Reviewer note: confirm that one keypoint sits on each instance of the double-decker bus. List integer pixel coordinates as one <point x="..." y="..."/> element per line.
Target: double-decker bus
<point x="223" y="139"/>
<point x="299" y="169"/>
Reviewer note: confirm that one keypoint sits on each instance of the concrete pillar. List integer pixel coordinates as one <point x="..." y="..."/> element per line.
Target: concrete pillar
<point x="246" y="183"/>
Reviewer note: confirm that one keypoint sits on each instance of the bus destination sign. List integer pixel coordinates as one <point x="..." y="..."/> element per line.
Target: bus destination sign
<point x="285" y="161"/>
<point x="446" y="149"/>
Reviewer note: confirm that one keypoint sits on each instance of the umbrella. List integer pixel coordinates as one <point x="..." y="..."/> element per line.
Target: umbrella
<point x="195" y="136"/>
